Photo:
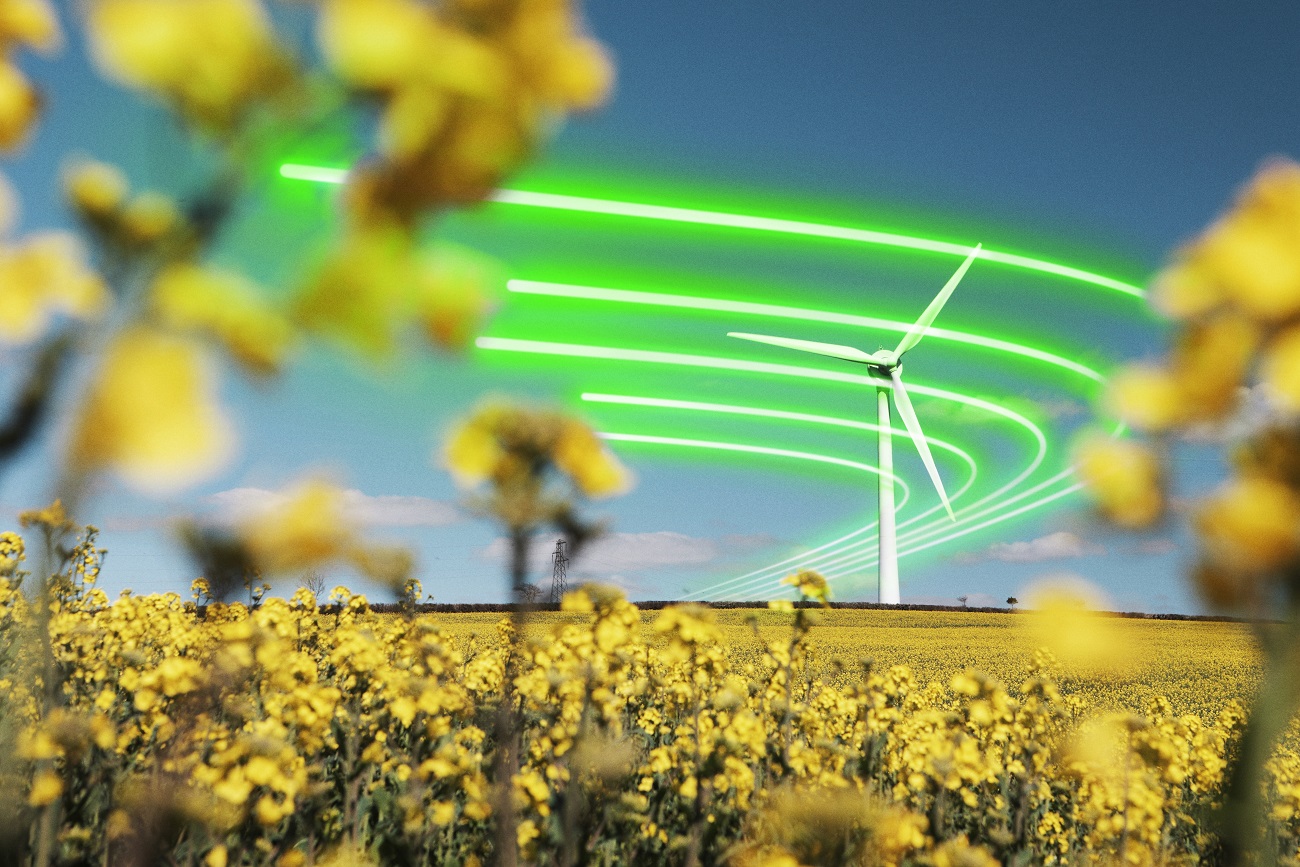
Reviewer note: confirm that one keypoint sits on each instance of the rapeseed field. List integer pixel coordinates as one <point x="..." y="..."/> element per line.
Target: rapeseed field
<point x="152" y="730"/>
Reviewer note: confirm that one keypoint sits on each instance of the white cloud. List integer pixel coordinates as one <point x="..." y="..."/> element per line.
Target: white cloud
<point x="620" y="552"/>
<point x="383" y="510"/>
<point x="1153" y="547"/>
<point x="1061" y="545"/>
<point x="1256" y="409"/>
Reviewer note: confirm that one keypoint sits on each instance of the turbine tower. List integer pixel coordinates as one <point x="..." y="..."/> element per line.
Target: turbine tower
<point x="888" y="364"/>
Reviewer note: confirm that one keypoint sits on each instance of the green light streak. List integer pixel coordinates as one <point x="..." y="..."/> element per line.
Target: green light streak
<point x="842" y="557"/>
<point x="759" y="450"/>
<point x="700" y="406"/>
<point x="852" y="563"/>
<point x="688" y="302"/>
<point x="647" y="356"/>
<point x="719" y="219"/>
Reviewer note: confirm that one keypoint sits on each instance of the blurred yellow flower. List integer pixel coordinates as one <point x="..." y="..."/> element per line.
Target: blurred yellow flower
<point x="593" y="468"/>
<point x="46" y="789"/>
<point x="19" y="106"/>
<point x="453" y="295"/>
<point x="308" y="529"/>
<point x="376" y="44"/>
<point x="811" y="584"/>
<point x="95" y="189"/>
<point x="149" y="217"/>
<point x="1252" y="524"/>
<point x="1065" y="618"/>
<point x="151" y="414"/>
<point x="227" y="306"/>
<point x="30" y="22"/>
<point x="1255" y="248"/>
<point x="210" y="58"/>
<point x="1210" y="362"/>
<point x="1123" y="478"/>
<point x="1146" y="397"/>
<point x="362" y="292"/>
<point x="472" y="451"/>
<point x="46" y="275"/>
<point x="1281" y="368"/>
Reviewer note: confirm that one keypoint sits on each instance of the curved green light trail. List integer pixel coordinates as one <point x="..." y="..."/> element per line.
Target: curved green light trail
<point x="757" y="450"/>
<point x="765" y="412"/>
<point x="720" y="219"/>
<point x="690" y="302"/>
<point x="841" y="556"/>
<point x="682" y="359"/>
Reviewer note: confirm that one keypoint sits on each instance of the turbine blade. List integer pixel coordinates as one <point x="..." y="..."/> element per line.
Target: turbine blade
<point x="918" y="329"/>
<point x="848" y="353"/>
<point x="908" y="415"/>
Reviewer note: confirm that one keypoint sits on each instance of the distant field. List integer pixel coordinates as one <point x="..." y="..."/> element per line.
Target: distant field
<point x="1197" y="665"/>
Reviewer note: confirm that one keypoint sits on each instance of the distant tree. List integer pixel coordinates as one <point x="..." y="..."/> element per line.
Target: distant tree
<point x="530" y="593"/>
<point x="962" y="599"/>
<point x="314" y="581"/>
<point x="1013" y="601"/>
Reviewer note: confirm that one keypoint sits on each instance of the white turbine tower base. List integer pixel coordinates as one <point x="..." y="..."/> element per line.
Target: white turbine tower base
<point x="888" y="566"/>
<point x="889" y="364"/>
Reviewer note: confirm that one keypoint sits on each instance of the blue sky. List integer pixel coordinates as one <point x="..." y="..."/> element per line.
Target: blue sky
<point x="1100" y="135"/>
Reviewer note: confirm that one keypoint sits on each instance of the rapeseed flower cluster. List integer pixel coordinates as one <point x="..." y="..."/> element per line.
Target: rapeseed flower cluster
<point x="289" y="733"/>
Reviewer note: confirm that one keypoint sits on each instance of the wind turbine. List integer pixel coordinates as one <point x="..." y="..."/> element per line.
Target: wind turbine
<point x="889" y="364"/>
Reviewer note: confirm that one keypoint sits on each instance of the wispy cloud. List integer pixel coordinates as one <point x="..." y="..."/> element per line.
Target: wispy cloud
<point x="1256" y="409"/>
<point x="383" y="510"/>
<point x="1062" y="545"/>
<point x="623" y="552"/>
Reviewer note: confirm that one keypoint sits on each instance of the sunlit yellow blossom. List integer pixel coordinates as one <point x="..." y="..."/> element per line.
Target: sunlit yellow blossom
<point x="1123" y="477"/>
<point x="453" y="295"/>
<point x="307" y="529"/>
<point x="228" y="307"/>
<point x="375" y="43"/>
<point x="1281" y="369"/>
<point x="1066" y="620"/>
<point x="1252" y="524"/>
<point x="1146" y="397"/>
<point x="1252" y="250"/>
<point x="46" y="789"/>
<point x="150" y="413"/>
<point x="149" y="217"/>
<point x="592" y="467"/>
<point x="216" y="857"/>
<point x="53" y="516"/>
<point x="810" y="584"/>
<point x="19" y="106"/>
<point x="211" y="58"/>
<point x="30" y="22"/>
<point x="95" y="189"/>
<point x="43" y="277"/>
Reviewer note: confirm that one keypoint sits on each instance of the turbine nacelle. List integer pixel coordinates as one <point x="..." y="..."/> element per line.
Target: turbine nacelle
<point x="888" y="363"/>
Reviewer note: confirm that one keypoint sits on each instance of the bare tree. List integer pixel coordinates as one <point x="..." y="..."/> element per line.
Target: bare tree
<point x="962" y="599"/>
<point x="314" y="581"/>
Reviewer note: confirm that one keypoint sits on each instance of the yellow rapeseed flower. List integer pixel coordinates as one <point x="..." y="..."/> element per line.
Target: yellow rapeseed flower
<point x="45" y="276"/>
<point x="1123" y="478"/>
<point x="30" y="22"/>
<point x="579" y="453"/>
<point x="309" y="528"/>
<point x="151" y="414"/>
<point x="47" y="786"/>
<point x="95" y="189"/>
<point x="210" y="58"/>
<point x="1252" y="524"/>
<point x="19" y="106"/>
<point x="227" y="306"/>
